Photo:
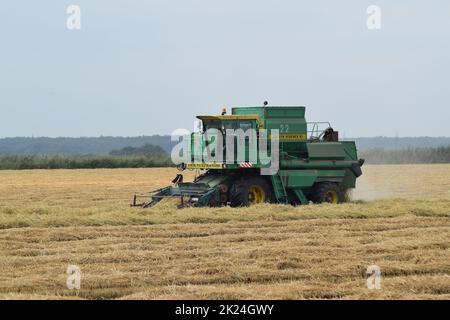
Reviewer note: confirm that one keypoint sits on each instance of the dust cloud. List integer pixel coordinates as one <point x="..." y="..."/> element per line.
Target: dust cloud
<point x="402" y="181"/>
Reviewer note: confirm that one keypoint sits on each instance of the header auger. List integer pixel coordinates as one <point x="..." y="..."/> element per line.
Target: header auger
<point x="308" y="161"/>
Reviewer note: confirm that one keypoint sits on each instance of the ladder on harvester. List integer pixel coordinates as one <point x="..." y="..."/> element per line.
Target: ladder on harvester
<point x="279" y="189"/>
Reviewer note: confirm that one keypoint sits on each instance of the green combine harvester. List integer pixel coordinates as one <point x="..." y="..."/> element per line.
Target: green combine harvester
<point x="313" y="165"/>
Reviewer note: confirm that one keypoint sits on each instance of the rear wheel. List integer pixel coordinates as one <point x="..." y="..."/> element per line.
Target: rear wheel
<point x="248" y="191"/>
<point x="327" y="192"/>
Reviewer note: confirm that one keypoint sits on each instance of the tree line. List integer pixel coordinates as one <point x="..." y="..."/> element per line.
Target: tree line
<point x="146" y="156"/>
<point x="104" y="145"/>
<point x="149" y="156"/>
<point x="407" y="156"/>
<point x="21" y="162"/>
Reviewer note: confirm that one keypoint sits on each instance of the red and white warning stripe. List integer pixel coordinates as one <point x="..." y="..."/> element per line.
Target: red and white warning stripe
<point x="246" y="165"/>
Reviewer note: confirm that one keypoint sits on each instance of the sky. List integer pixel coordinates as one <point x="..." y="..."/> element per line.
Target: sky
<point x="149" y="67"/>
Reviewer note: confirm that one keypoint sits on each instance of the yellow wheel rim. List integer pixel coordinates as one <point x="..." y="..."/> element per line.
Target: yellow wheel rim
<point x="331" y="196"/>
<point x="256" y="195"/>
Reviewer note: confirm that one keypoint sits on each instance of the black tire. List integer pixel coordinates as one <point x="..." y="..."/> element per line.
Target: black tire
<point x="327" y="192"/>
<point x="241" y="191"/>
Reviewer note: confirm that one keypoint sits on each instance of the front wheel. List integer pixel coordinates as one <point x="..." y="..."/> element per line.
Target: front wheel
<point x="249" y="191"/>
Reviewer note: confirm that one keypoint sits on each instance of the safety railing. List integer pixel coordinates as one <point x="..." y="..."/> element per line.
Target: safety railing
<point x="315" y="129"/>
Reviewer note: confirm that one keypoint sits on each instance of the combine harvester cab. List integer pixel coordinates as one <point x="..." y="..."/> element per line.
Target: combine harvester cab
<point x="313" y="165"/>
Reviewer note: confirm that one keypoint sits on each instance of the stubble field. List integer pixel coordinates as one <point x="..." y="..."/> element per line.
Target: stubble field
<point x="399" y="220"/>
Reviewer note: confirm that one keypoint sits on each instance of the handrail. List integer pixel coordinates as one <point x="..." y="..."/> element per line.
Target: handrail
<point x="317" y="129"/>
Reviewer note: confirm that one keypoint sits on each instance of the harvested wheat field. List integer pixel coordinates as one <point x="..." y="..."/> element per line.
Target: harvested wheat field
<point x="399" y="220"/>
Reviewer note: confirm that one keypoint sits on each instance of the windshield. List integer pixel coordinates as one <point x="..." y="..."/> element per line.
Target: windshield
<point x="223" y="125"/>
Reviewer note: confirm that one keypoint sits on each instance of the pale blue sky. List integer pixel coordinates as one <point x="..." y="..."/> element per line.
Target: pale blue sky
<point x="148" y="67"/>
